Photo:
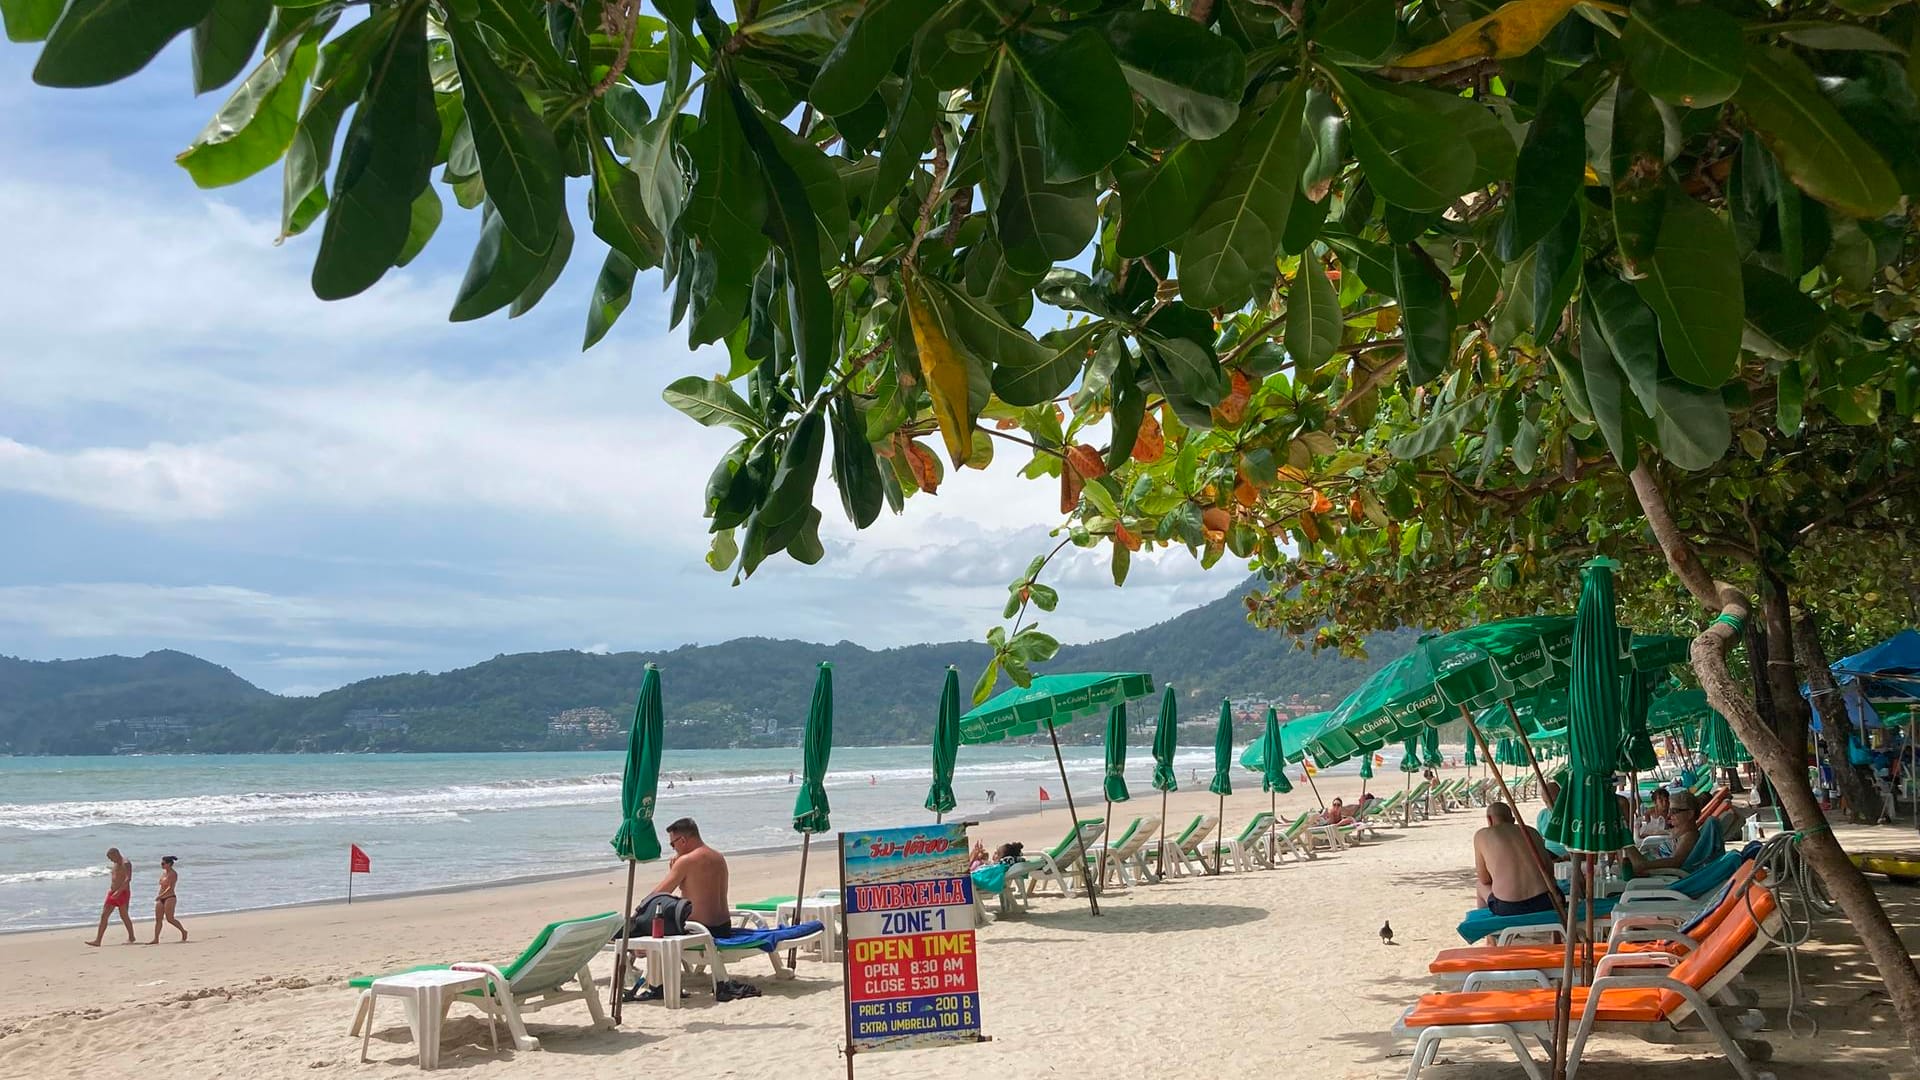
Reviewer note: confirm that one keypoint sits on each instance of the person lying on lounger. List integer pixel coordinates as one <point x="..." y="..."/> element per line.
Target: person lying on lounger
<point x="1510" y="878"/>
<point x="699" y="875"/>
<point x="1333" y="815"/>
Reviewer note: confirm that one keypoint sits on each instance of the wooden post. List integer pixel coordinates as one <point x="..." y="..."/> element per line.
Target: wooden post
<point x="1106" y="839"/>
<point x="1521" y="730"/>
<point x="1219" y="831"/>
<point x="1163" y="836"/>
<point x="1093" y="904"/>
<point x="1563" y="996"/>
<point x="846" y="961"/>
<point x="799" y="896"/>
<point x="626" y="933"/>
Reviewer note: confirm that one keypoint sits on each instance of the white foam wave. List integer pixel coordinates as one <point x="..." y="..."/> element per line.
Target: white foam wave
<point x="74" y="873"/>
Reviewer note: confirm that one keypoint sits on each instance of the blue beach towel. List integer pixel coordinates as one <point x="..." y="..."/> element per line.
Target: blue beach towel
<point x="991" y="879"/>
<point x="767" y="940"/>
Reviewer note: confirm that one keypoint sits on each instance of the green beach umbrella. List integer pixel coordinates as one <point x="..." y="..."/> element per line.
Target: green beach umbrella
<point x="1166" y="734"/>
<point x="1366" y="766"/>
<point x="1116" y="779"/>
<point x="1430" y="748"/>
<point x="1586" y="816"/>
<point x="1636" y="743"/>
<point x="1677" y="710"/>
<point x="810" y="811"/>
<point x="946" y="746"/>
<point x="636" y="841"/>
<point x="1470" y="759"/>
<point x="1222" y="784"/>
<point x="1273" y="771"/>
<point x="1718" y="742"/>
<point x="640" y="779"/>
<point x="1045" y="703"/>
<point x="1326" y="740"/>
<point x="1410" y="755"/>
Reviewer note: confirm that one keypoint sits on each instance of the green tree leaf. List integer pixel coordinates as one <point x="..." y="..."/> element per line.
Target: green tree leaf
<point x="864" y="55"/>
<point x="1693" y="286"/>
<point x="855" y="469"/>
<point x="223" y="41"/>
<point x="30" y="20"/>
<point x="1181" y="68"/>
<point x="1037" y="223"/>
<point x="1072" y="82"/>
<point x="791" y="495"/>
<point x="1556" y="272"/>
<point x="611" y="293"/>
<point x="793" y="226"/>
<point x="1781" y="320"/>
<point x="1630" y="332"/>
<point x="1606" y="390"/>
<point x="257" y="123"/>
<point x="500" y="271"/>
<point x="1814" y="144"/>
<point x="424" y="221"/>
<point x="1690" y="55"/>
<point x="1412" y="151"/>
<point x="619" y="212"/>
<point x="1426" y="313"/>
<point x="1439" y="430"/>
<point x="1364" y="29"/>
<point x="713" y="403"/>
<point x="384" y="162"/>
<point x="1159" y="204"/>
<point x="1638" y="164"/>
<point x="1128" y="411"/>
<point x="519" y="159"/>
<point x="1548" y="174"/>
<point x="1691" y="426"/>
<point x="338" y="82"/>
<point x="96" y="42"/>
<point x="1313" y="316"/>
<point x="1229" y="250"/>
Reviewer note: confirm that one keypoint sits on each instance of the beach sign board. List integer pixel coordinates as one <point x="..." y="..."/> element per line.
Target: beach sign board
<point x="912" y="974"/>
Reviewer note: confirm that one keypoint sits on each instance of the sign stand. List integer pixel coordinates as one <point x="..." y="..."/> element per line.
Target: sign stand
<point x="909" y="965"/>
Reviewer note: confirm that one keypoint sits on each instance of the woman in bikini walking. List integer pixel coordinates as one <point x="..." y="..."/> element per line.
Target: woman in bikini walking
<point x="165" y="901"/>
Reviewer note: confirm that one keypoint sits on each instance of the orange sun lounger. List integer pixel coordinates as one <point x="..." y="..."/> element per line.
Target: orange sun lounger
<point x="1630" y="934"/>
<point x="1648" y="1005"/>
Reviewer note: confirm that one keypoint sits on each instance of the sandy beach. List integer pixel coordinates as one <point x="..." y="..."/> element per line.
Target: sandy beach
<point x="1272" y="973"/>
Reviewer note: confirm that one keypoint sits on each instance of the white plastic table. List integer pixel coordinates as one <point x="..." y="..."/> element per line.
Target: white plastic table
<point x="664" y="957"/>
<point x="824" y="908"/>
<point x="426" y="995"/>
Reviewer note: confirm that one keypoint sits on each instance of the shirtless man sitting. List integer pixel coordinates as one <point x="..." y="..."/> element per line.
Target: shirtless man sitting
<point x="1682" y="833"/>
<point x="698" y="874"/>
<point x="1506" y="868"/>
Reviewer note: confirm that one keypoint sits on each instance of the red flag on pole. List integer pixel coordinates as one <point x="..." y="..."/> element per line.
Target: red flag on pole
<point x="1044" y="797"/>
<point x="357" y="861"/>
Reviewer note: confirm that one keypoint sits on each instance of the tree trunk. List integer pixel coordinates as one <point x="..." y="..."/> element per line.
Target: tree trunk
<point x="1756" y="643"/>
<point x="1790" y="712"/>
<point x="1784" y="765"/>
<point x="1863" y="801"/>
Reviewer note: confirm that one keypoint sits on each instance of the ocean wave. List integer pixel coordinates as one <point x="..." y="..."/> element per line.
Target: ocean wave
<point x="74" y="873"/>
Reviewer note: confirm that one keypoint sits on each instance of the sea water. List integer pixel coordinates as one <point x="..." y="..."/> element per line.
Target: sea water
<point x="259" y="830"/>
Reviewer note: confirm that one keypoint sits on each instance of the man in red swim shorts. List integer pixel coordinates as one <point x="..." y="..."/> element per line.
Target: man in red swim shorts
<point x="119" y="895"/>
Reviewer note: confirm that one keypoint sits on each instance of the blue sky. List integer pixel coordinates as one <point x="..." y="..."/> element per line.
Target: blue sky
<point x="197" y="454"/>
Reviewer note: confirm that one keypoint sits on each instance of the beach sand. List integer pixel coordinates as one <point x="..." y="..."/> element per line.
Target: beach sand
<point x="1271" y="974"/>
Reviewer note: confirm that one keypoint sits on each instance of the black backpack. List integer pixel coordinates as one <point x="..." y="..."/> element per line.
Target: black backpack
<point x="673" y="910"/>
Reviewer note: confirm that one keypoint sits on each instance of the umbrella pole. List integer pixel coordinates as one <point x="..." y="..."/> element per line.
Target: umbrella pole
<point x="1563" y="995"/>
<point x="1273" y="814"/>
<point x="1219" y="831"/>
<point x="1093" y="904"/>
<point x="1539" y="861"/>
<point x="1163" y="836"/>
<point x="1593" y="866"/>
<point x="799" y="894"/>
<point x="626" y="935"/>
<point x="1315" y="788"/>
<point x="1106" y="839"/>
<point x="1520" y="730"/>
<point x="1406" y="808"/>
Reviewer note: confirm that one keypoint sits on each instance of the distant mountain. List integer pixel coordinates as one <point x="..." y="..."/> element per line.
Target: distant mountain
<point x="748" y="691"/>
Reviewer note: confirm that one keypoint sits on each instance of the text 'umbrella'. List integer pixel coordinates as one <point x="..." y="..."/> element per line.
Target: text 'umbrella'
<point x="810" y="811"/>
<point x="640" y="779"/>
<point x="946" y="746"/>
<point x="1586" y="816"/>
<point x="1223" y="751"/>
<point x="1116" y="778"/>
<point x="1166" y="732"/>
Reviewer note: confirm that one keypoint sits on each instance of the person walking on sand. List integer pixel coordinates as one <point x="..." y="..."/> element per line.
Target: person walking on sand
<point x="164" y="902"/>
<point x="119" y="895"/>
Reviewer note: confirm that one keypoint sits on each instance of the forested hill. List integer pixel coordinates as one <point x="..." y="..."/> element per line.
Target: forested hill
<point x="749" y="691"/>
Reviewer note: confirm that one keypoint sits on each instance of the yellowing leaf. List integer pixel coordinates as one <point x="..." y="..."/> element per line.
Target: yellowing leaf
<point x="1512" y="30"/>
<point x="946" y="373"/>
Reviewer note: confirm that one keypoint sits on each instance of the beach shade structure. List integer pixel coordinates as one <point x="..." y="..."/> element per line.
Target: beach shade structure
<point x="1495" y="663"/>
<point x="636" y="841"/>
<point x="1326" y="741"/>
<point x="1636" y="742"/>
<point x="1470" y="761"/>
<point x="1677" y="710"/>
<point x="1115" y="782"/>
<point x="810" y="810"/>
<point x="1586" y="818"/>
<point x="1222" y="783"/>
<point x="1166" y="736"/>
<point x="1430" y="748"/>
<point x="1273" y="776"/>
<point x="1043" y="704"/>
<point x="1366" y="772"/>
<point x="946" y="747"/>
<point x="1410" y="755"/>
<point x="1721" y="747"/>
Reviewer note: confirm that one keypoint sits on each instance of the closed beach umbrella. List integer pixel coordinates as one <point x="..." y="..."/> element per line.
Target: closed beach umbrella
<point x="810" y="811"/>
<point x="946" y="746"/>
<point x="1166" y="733"/>
<point x="1636" y="744"/>
<point x="1430" y="748"/>
<point x="1410" y="755"/>
<point x="1273" y="776"/>
<point x="1222" y="784"/>
<point x="1718" y="742"/>
<point x="636" y="841"/>
<point x="1115" y="782"/>
<point x="1471" y="761"/>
